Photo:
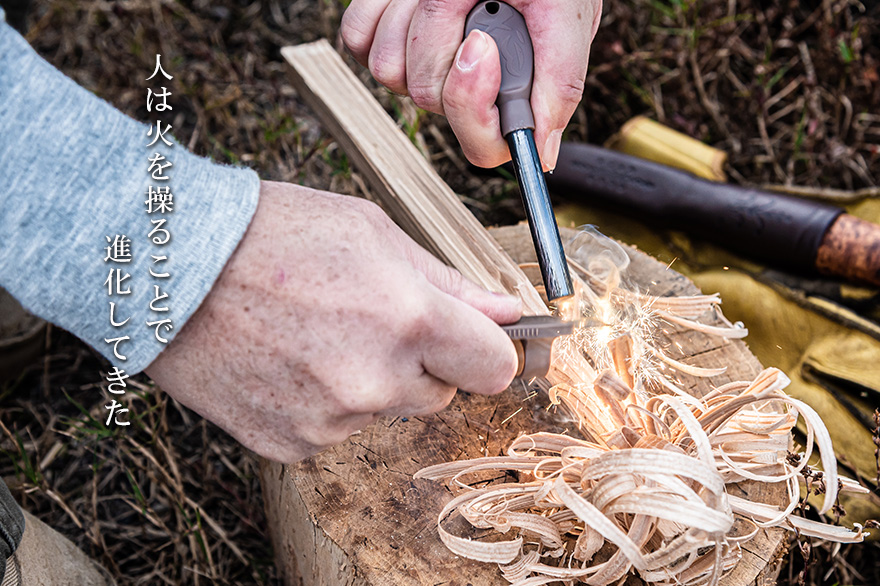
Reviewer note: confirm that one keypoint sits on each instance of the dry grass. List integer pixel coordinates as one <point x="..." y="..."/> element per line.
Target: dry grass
<point x="791" y="91"/>
<point x="168" y="500"/>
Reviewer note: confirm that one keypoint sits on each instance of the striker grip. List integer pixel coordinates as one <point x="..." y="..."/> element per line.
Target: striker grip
<point x="533" y="337"/>
<point x="533" y="357"/>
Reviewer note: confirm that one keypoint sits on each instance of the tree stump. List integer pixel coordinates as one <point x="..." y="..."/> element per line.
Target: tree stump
<point x="354" y="515"/>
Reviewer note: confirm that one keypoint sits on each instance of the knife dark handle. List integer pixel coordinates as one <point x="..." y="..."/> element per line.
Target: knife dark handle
<point x="774" y="228"/>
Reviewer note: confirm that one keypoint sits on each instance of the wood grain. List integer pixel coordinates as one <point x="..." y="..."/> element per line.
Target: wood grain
<point x="353" y="514"/>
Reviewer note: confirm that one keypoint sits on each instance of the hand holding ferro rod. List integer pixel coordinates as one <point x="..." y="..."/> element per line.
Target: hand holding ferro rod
<point x="508" y="28"/>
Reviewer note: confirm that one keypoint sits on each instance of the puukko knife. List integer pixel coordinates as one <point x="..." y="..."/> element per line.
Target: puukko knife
<point x="795" y="234"/>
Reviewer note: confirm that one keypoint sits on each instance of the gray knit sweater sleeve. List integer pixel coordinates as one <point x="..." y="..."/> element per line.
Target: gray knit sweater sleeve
<point x="75" y="174"/>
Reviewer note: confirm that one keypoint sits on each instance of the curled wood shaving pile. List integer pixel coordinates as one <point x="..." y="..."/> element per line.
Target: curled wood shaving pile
<point x="644" y="486"/>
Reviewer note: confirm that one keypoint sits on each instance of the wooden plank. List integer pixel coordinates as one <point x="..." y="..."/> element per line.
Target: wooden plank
<point x="408" y="188"/>
<point x="353" y="514"/>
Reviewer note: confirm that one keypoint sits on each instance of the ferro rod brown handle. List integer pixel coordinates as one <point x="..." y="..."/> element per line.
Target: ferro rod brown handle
<point x="507" y="26"/>
<point x="508" y="29"/>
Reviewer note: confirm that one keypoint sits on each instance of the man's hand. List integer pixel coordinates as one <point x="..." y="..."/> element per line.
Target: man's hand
<point x="414" y="47"/>
<point x="326" y="317"/>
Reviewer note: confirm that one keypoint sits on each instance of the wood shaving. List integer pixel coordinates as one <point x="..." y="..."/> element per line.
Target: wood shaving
<point x="644" y="488"/>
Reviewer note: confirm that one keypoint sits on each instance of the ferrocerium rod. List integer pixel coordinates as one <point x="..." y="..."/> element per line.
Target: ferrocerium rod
<point x="539" y="212"/>
<point x="508" y="28"/>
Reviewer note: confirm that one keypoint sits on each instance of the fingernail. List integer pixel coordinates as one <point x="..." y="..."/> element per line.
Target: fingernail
<point x="551" y="149"/>
<point x="471" y="51"/>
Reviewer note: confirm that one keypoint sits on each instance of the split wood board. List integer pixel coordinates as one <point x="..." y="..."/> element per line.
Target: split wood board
<point x="399" y="176"/>
<point x="354" y="514"/>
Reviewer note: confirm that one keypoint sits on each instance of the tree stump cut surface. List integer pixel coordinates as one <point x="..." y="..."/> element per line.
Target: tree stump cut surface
<point x="354" y="514"/>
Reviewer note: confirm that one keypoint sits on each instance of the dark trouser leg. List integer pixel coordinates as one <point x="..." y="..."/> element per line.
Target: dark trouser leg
<point x="11" y="526"/>
<point x="39" y="555"/>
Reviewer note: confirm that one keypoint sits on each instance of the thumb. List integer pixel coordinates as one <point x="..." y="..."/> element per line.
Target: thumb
<point x="469" y="95"/>
<point x="499" y="307"/>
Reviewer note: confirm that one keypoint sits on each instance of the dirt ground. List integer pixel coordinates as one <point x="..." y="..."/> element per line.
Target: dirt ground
<point x="790" y="89"/>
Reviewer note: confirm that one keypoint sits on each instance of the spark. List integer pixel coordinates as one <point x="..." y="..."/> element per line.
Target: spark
<point x="509" y="417"/>
<point x="622" y="345"/>
<point x="607" y="376"/>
